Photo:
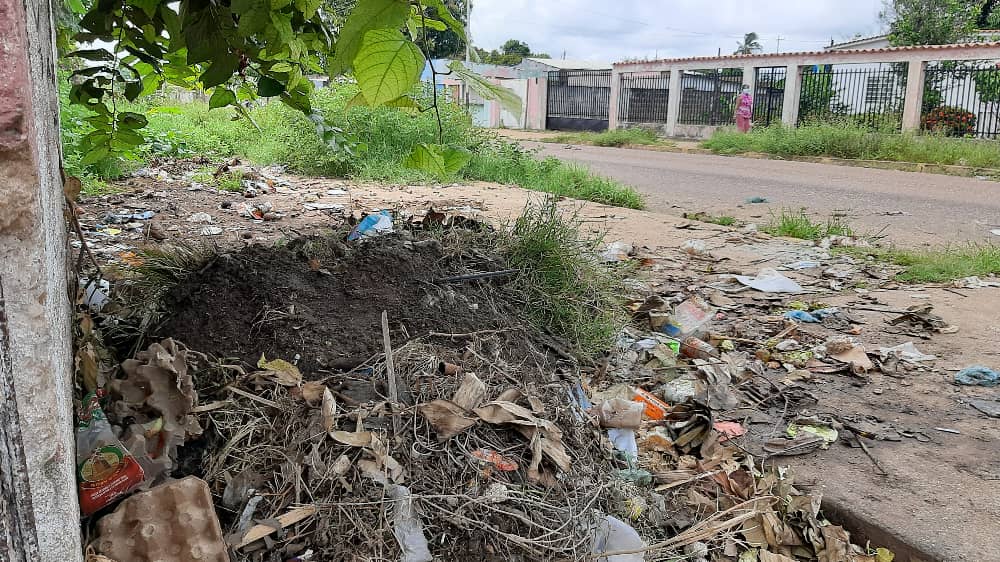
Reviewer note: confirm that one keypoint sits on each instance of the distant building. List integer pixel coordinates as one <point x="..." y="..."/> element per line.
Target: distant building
<point x="534" y="67"/>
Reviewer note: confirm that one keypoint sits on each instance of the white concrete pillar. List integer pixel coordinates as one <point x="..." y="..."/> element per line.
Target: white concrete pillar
<point x="616" y="91"/>
<point x="39" y="513"/>
<point x="914" y="100"/>
<point x="750" y="77"/>
<point x="793" y="93"/>
<point x="676" y="90"/>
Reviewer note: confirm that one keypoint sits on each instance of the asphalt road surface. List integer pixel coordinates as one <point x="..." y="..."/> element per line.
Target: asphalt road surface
<point x="913" y="208"/>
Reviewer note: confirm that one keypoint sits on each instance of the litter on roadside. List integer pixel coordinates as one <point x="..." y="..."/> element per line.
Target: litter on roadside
<point x="617" y="252"/>
<point x="978" y="376"/>
<point x="373" y="225"/>
<point x="770" y="281"/>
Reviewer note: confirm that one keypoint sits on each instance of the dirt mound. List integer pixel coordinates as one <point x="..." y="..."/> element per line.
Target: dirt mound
<point x="322" y="301"/>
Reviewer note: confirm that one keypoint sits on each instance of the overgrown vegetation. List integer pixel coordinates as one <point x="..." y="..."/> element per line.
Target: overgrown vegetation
<point x="939" y="265"/>
<point x="384" y="137"/>
<point x="847" y="141"/>
<point x="722" y="220"/>
<point x="616" y="138"/>
<point x="571" y="293"/>
<point x="797" y="224"/>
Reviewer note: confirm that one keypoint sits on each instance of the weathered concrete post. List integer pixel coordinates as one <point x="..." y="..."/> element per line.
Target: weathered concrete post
<point x="39" y="517"/>
<point x="793" y="93"/>
<point x="750" y="77"/>
<point x="616" y="92"/>
<point x="675" y="91"/>
<point x="913" y="102"/>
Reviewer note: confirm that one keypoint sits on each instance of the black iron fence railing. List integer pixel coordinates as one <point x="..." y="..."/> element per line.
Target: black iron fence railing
<point x="644" y="97"/>
<point x="861" y="94"/>
<point x="769" y="95"/>
<point x="962" y="99"/>
<point x="708" y="97"/>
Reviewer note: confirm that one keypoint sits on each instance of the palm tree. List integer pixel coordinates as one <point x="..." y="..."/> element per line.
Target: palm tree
<point x="750" y="45"/>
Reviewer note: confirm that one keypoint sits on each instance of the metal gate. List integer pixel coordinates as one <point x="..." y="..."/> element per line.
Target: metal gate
<point x="769" y="95"/>
<point x="578" y="100"/>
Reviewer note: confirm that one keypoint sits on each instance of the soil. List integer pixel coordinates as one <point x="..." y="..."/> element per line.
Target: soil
<point x="939" y="497"/>
<point x="321" y="301"/>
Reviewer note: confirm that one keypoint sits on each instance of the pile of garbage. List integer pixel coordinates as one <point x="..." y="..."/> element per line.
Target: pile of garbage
<point x="383" y="401"/>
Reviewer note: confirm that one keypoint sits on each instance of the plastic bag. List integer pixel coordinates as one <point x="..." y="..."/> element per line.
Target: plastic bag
<point x="614" y="535"/>
<point x="373" y="225"/>
<point x="105" y="469"/>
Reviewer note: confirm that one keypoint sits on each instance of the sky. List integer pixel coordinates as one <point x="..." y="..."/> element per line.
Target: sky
<point x="615" y="30"/>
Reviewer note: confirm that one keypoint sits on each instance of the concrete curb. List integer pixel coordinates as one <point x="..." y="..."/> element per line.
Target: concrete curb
<point x="864" y="530"/>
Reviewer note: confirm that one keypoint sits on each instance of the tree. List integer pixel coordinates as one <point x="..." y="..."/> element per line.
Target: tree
<point x="749" y="45"/>
<point x="933" y="22"/>
<point x="510" y="54"/>
<point x="245" y="49"/>
<point x="442" y="42"/>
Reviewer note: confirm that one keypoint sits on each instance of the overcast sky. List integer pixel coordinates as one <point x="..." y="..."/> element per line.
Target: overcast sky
<point x="613" y="30"/>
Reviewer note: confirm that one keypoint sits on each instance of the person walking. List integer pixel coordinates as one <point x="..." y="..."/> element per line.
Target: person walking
<point x="744" y="110"/>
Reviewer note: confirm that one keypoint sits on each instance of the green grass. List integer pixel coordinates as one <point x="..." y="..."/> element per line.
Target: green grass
<point x="564" y="287"/>
<point x="385" y="135"/>
<point x="851" y="142"/>
<point x="792" y="224"/>
<point x="939" y="265"/>
<point x="617" y="138"/>
<point x="724" y="220"/>
<point x="233" y="181"/>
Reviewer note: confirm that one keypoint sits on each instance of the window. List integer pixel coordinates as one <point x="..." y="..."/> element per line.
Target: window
<point x="881" y="90"/>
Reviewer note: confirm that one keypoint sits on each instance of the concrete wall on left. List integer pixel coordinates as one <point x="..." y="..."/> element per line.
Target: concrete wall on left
<point x="39" y="518"/>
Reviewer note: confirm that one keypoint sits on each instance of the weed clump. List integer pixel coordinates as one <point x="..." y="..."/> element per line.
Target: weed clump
<point x="792" y="224"/>
<point x="570" y="292"/>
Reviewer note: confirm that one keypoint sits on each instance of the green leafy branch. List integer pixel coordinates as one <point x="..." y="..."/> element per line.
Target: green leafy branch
<point x="243" y="50"/>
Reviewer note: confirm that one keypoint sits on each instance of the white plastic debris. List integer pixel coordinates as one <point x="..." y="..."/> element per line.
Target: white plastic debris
<point x="616" y="252"/>
<point x="905" y="352"/>
<point x="201" y="218"/>
<point x="323" y="207"/>
<point x="95" y="293"/>
<point x="336" y="192"/>
<point x="211" y="231"/>
<point x="614" y="535"/>
<point x="805" y="264"/>
<point x="406" y="527"/>
<point x="377" y="224"/>
<point x="624" y="441"/>
<point x="694" y="247"/>
<point x="770" y="281"/>
<point x="975" y="283"/>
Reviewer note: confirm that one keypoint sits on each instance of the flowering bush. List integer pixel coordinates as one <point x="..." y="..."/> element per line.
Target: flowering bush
<point x="952" y="121"/>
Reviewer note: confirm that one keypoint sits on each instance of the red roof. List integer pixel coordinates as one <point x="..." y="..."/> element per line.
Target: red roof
<point x="818" y="53"/>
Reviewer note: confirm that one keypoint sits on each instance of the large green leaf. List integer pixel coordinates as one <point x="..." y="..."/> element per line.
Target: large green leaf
<point x="446" y="16"/>
<point x="222" y="70"/>
<point x="387" y="66"/>
<point x="201" y="35"/>
<point x="366" y="16"/>
<point x="486" y="89"/>
<point x="148" y="6"/>
<point x="308" y="7"/>
<point x="222" y="97"/>
<point x="438" y="160"/>
<point x="268" y="87"/>
<point x="255" y="15"/>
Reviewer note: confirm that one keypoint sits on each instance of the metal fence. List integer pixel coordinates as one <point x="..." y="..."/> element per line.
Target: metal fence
<point x="708" y="96"/>
<point x="962" y="99"/>
<point x="769" y="95"/>
<point x="644" y="97"/>
<point x="578" y="99"/>
<point x="867" y="95"/>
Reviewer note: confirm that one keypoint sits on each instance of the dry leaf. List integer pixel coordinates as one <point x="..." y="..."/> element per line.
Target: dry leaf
<point x="355" y="439"/>
<point x="471" y="393"/>
<point x="537" y="406"/>
<point x="72" y="187"/>
<point x="329" y="411"/>
<point x="838" y="544"/>
<point x="765" y="556"/>
<point x="341" y="465"/>
<point x="86" y="364"/>
<point x="281" y="371"/>
<point x="446" y="418"/>
<point x="313" y="392"/>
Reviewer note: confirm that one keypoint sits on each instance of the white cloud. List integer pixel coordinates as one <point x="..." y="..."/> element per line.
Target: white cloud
<point x="619" y="29"/>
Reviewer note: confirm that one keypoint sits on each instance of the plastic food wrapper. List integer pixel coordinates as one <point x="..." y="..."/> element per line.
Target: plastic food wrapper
<point x="655" y="409"/>
<point x="689" y="316"/>
<point x="615" y="535"/>
<point x="770" y="281"/>
<point x="621" y="414"/>
<point x="105" y="469"/>
<point x="373" y="225"/>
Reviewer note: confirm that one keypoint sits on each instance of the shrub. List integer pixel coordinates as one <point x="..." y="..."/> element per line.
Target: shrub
<point x="950" y="121"/>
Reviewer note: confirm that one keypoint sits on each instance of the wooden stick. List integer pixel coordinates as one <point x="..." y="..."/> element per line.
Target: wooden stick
<point x="253" y="397"/>
<point x="390" y="369"/>
<point x="287" y="520"/>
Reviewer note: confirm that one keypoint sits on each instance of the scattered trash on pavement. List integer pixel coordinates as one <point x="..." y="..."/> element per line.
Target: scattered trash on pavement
<point x="617" y="252"/>
<point x="770" y="281"/>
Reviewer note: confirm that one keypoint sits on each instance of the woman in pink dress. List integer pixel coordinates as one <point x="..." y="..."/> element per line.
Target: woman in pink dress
<point x="744" y="110"/>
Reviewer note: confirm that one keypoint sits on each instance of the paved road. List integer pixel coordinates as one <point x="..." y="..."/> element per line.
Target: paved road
<point x="936" y="209"/>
